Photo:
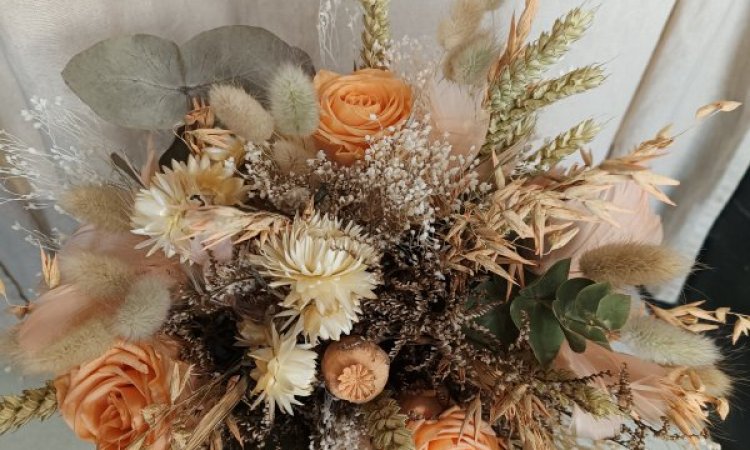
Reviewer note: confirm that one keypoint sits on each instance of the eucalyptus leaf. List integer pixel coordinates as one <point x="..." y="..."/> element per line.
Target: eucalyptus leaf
<point x="613" y="311"/>
<point x="568" y="291"/>
<point x="145" y="82"/>
<point x="576" y="342"/>
<point x="590" y="332"/>
<point x="546" y="285"/>
<point x="587" y="300"/>
<point x="545" y="335"/>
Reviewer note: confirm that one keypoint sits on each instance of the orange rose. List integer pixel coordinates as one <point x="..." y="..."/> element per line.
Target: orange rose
<point x="444" y="433"/>
<point x="103" y="400"/>
<point x="353" y="107"/>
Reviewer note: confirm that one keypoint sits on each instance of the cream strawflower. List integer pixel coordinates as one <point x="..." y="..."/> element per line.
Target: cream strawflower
<point x="326" y="268"/>
<point x="283" y="371"/>
<point x="159" y="211"/>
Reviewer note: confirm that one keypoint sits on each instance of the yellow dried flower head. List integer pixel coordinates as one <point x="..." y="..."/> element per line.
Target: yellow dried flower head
<point x="160" y="210"/>
<point x="284" y="370"/>
<point x="326" y="268"/>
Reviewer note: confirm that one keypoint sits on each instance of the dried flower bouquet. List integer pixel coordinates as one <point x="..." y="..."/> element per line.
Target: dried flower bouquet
<point x="373" y="260"/>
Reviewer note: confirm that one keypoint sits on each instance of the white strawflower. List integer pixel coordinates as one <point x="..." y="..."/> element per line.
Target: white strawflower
<point x="159" y="211"/>
<point x="327" y="270"/>
<point x="283" y="371"/>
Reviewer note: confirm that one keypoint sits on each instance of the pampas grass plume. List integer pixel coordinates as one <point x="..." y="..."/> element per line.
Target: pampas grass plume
<point x="655" y="340"/>
<point x="104" y="206"/>
<point x="633" y="264"/>
<point x="144" y="310"/>
<point x="241" y="112"/>
<point x="468" y="64"/>
<point x="294" y="102"/>
<point x="99" y="276"/>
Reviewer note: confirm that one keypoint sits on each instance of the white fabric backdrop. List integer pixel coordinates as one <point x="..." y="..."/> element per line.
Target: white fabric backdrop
<point x="665" y="59"/>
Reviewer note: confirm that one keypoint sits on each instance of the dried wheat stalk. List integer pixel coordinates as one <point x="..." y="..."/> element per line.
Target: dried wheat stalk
<point x="18" y="410"/>
<point x="376" y="34"/>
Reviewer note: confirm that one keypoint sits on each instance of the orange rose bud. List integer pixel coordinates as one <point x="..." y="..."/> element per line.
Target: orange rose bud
<point x="449" y="432"/>
<point x="103" y="400"/>
<point x="353" y="107"/>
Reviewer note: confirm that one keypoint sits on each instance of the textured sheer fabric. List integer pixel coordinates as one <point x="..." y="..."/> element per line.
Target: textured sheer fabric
<point x="665" y="59"/>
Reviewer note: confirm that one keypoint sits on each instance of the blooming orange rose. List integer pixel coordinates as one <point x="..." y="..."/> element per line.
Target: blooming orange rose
<point x="103" y="400"/>
<point x="353" y="107"/>
<point x="444" y="433"/>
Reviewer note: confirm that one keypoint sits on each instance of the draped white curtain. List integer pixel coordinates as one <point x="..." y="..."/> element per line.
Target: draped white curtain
<point x="665" y="59"/>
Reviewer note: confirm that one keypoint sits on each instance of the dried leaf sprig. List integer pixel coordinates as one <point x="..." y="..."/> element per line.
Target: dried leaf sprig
<point x="376" y="34"/>
<point x="18" y="410"/>
<point x="693" y="318"/>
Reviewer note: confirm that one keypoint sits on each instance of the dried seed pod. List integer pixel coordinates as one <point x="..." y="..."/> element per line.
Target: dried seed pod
<point x="355" y="369"/>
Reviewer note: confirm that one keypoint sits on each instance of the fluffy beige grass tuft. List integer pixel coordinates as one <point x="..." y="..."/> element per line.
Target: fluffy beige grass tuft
<point x="99" y="276"/>
<point x="654" y="340"/>
<point x="241" y="113"/>
<point x="104" y="206"/>
<point x="144" y="310"/>
<point x="631" y="264"/>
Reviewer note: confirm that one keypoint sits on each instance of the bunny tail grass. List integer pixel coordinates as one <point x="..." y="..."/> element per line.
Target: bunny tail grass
<point x="99" y="276"/>
<point x="144" y="309"/>
<point x="241" y="113"/>
<point x="105" y="206"/>
<point x="633" y="264"/>
<point x="294" y="102"/>
<point x="655" y="340"/>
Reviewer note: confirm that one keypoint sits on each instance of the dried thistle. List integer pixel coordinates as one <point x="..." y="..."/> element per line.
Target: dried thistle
<point x="376" y="34"/>
<point x="241" y="113"/>
<point x="106" y="206"/>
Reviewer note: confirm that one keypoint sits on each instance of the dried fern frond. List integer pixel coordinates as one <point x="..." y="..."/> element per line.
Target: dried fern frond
<point x="376" y="34"/>
<point x="18" y="410"/>
<point x="386" y="425"/>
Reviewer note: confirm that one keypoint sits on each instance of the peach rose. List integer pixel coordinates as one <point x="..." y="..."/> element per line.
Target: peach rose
<point x="353" y="107"/>
<point x="444" y="433"/>
<point x="103" y="400"/>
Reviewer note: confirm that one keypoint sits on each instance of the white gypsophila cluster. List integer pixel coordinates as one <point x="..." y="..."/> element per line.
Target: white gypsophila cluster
<point x="406" y="180"/>
<point x="76" y="152"/>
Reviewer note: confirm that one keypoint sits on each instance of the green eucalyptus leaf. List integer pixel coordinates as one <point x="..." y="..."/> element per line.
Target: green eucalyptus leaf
<point x="590" y="332"/>
<point x="587" y="300"/>
<point x="518" y="306"/>
<point x="545" y="334"/>
<point x="576" y="342"/>
<point x="145" y="82"/>
<point x="132" y="81"/>
<point x="568" y="291"/>
<point x="613" y="311"/>
<point x="546" y="285"/>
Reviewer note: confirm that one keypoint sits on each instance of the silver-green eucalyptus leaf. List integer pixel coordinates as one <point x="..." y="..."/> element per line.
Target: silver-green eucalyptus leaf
<point x="145" y="82"/>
